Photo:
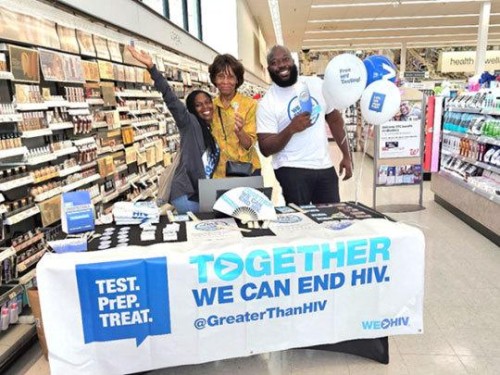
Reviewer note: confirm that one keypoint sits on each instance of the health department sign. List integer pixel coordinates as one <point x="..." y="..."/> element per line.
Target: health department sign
<point x="465" y="61"/>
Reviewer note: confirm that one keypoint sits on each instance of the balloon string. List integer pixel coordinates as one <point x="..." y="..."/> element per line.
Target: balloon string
<point x="358" y="180"/>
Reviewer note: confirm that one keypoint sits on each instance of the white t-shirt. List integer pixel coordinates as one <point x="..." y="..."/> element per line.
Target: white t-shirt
<point x="306" y="149"/>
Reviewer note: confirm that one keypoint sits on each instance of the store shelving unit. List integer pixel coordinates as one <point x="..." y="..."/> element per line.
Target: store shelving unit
<point x="468" y="183"/>
<point x="351" y="117"/>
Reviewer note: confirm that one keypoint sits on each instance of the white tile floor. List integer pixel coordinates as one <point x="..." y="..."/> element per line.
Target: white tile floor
<point x="462" y="306"/>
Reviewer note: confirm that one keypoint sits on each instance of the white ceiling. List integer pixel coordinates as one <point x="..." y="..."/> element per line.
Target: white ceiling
<point x="376" y="24"/>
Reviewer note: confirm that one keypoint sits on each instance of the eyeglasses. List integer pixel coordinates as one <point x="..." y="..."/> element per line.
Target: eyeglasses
<point x="225" y="77"/>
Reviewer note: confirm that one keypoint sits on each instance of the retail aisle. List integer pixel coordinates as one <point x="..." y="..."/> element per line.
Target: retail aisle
<point x="462" y="301"/>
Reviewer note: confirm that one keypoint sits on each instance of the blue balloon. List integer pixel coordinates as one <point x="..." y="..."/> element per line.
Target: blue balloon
<point x="379" y="67"/>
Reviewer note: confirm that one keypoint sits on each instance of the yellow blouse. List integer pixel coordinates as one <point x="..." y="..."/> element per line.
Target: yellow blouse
<point x="229" y="142"/>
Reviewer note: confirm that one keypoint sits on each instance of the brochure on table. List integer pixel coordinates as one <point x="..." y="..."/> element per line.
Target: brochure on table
<point x="77" y="212"/>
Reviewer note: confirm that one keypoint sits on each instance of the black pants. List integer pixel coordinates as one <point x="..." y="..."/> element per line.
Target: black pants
<point x="305" y="186"/>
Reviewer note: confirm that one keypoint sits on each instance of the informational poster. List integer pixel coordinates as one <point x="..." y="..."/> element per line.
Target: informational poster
<point x="400" y="139"/>
<point x="114" y="51"/>
<point x="73" y="69"/>
<point x="130" y="74"/>
<point x="24" y="64"/>
<point x="90" y="71"/>
<point x="106" y="70"/>
<point x="67" y="38"/>
<point x="24" y="28"/>
<point x="52" y="65"/>
<point x="119" y="72"/>
<point x="139" y="75"/>
<point x="85" y="42"/>
<point x="101" y="47"/>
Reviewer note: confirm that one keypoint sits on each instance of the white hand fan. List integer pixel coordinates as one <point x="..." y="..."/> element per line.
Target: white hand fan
<point x="246" y="204"/>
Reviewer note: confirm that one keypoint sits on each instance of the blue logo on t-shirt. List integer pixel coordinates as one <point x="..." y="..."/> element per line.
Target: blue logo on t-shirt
<point x="294" y="109"/>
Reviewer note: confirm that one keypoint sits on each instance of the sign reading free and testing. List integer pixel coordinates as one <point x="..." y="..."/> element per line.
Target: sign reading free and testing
<point x="174" y="306"/>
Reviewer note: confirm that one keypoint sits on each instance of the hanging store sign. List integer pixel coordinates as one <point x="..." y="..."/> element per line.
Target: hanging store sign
<point x="416" y="75"/>
<point x="465" y="61"/>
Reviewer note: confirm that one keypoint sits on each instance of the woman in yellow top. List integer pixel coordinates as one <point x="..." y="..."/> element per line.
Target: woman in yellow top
<point x="233" y="124"/>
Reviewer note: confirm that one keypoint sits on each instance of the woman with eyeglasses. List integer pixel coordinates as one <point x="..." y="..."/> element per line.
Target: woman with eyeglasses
<point x="233" y="126"/>
<point x="199" y="150"/>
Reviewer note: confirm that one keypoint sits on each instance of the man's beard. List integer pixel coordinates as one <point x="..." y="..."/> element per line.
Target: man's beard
<point x="294" y="73"/>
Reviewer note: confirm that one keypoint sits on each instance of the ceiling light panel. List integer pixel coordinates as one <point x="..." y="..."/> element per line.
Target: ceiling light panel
<point x="387" y="11"/>
<point x="274" y="9"/>
<point x="398" y="37"/>
<point x="394" y="3"/>
<point x="414" y="17"/>
<point x="392" y="29"/>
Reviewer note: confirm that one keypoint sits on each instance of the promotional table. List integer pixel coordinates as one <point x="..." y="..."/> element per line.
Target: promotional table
<point x="139" y="308"/>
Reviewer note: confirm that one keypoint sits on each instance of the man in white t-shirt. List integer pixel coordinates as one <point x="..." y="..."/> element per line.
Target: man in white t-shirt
<point x="298" y="140"/>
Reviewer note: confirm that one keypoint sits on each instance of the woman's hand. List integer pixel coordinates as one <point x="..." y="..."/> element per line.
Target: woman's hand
<point x="238" y="123"/>
<point x="141" y="56"/>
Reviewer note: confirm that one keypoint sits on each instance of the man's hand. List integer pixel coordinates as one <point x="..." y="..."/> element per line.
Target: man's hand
<point x="141" y="56"/>
<point x="345" y="168"/>
<point x="300" y="122"/>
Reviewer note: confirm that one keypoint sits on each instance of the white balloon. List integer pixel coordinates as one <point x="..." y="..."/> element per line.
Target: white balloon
<point x="380" y="102"/>
<point x="345" y="80"/>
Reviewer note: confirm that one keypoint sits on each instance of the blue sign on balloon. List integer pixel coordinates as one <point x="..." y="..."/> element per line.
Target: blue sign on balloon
<point x="377" y="102"/>
<point x="124" y="299"/>
<point x="379" y="67"/>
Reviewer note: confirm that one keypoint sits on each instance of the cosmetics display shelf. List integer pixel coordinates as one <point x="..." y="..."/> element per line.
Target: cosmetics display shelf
<point x="466" y="168"/>
<point x="7" y="253"/>
<point x="26" y="278"/>
<point x="145" y="123"/>
<point x="350" y="116"/>
<point x="61" y="126"/>
<point x="66" y="151"/>
<point x="80" y="183"/>
<point x="109" y="149"/>
<point x="12" y="184"/>
<point x="26" y="244"/>
<point x="31" y="107"/>
<point x="32" y="260"/>
<point x="8" y="292"/>
<point x="146" y="135"/>
<point x="36" y="133"/>
<point x="23" y="215"/>
<point x="461" y="182"/>
<point x="99" y="125"/>
<point x="471" y="161"/>
<point x="14" y="117"/>
<point x="41" y="159"/>
<point x="67" y="171"/>
<point x="13" y="152"/>
<point x="477" y="138"/>
<point x="482" y="111"/>
<point x="138" y="94"/>
<point x="6" y="75"/>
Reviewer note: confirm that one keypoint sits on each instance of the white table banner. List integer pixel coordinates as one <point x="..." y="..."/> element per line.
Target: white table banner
<point x="139" y="308"/>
